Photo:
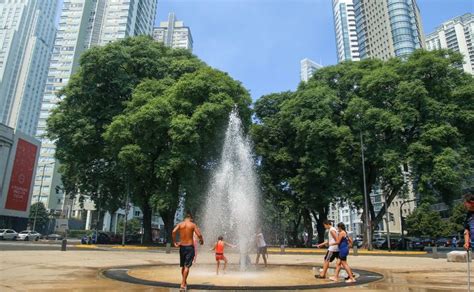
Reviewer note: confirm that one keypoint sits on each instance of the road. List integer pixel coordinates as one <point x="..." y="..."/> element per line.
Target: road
<point x="37" y="245"/>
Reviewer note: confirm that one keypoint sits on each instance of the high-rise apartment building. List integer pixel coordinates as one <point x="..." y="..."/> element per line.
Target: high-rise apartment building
<point x="345" y="29"/>
<point x="456" y="34"/>
<point x="26" y="40"/>
<point x="307" y="69"/>
<point x="174" y="34"/>
<point x="83" y="24"/>
<point x="388" y="28"/>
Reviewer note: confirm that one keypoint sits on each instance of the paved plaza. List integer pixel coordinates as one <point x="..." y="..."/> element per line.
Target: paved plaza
<point x="82" y="270"/>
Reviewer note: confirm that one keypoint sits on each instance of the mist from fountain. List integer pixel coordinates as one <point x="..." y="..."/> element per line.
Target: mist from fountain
<point x="232" y="198"/>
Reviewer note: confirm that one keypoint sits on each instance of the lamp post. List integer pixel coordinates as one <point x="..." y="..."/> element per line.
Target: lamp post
<point x="39" y="194"/>
<point x="366" y="198"/>
<point x="401" y="221"/>
<point x="126" y="213"/>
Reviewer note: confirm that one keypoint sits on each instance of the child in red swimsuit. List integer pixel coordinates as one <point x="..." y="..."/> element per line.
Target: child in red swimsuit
<point x="219" y="249"/>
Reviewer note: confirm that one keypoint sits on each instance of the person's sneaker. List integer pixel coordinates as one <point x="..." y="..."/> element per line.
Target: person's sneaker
<point x="333" y="279"/>
<point x="319" y="277"/>
<point x="347" y="278"/>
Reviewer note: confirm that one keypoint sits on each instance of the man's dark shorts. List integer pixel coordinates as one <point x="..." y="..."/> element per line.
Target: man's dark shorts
<point x="186" y="256"/>
<point x="331" y="255"/>
<point x="262" y="250"/>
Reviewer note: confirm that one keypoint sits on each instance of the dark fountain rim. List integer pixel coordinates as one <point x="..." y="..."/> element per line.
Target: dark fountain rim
<point x="121" y="274"/>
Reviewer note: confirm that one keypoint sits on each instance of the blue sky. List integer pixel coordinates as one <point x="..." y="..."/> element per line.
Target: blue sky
<point x="261" y="42"/>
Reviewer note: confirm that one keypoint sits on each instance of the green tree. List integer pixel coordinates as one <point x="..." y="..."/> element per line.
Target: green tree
<point x="39" y="211"/>
<point x="415" y="117"/>
<point x="101" y="89"/>
<point x="170" y="134"/>
<point x="133" y="226"/>
<point x="426" y="222"/>
<point x="457" y="218"/>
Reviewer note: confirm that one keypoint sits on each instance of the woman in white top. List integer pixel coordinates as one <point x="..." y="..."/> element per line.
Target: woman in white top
<point x="261" y="247"/>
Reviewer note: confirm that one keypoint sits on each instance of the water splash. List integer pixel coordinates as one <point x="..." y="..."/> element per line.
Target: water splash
<point x="232" y="199"/>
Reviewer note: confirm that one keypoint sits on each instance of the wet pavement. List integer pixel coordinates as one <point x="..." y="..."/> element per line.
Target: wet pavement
<point x="82" y="270"/>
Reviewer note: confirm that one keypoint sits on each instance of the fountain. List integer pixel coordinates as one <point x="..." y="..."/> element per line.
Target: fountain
<point x="232" y="198"/>
<point x="231" y="211"/>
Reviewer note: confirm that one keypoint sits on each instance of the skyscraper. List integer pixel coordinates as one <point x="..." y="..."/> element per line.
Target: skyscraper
<point x="174" y="34"/>
<point x="388" y="28"/>
<point x="308" y="67"/>
<point x="83" y="24"/>
<point x="456" y="34"/>
<point x="26" y="41"/>
<point x="345" y="29"/>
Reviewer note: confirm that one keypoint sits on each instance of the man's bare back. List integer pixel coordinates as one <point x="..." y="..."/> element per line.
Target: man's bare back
<point x="186" y="230"/>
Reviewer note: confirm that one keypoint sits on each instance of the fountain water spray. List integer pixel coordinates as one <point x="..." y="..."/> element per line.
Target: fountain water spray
<point x="232" y="198"/>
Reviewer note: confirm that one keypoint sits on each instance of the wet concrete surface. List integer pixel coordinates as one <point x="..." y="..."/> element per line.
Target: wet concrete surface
<point x="82" y="271"/>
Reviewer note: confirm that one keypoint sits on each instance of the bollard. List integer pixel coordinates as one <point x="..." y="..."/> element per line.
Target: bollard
<point x="282" y="249"/>
<point x="435" y="252"/>
<point x="355" y="250"/>
<point x="168" y="248"/>
<point x="64" y="244"/>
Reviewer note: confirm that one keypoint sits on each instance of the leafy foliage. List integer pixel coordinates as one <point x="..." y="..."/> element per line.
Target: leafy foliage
<point x="415" y="117"/>
<point x="39" y="211"/>
<point x="426" y="222"/>
<point x="142" y="118"/>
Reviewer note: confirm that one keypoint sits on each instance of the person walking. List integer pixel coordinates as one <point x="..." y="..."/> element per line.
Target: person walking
<point x="186" y="230"/>
<point x="261" y="248"/>
<point x="344" y="242"/>
<point x="333" y="249"/>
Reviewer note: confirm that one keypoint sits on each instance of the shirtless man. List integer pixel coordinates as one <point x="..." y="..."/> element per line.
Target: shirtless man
<point x="186" y="230"/>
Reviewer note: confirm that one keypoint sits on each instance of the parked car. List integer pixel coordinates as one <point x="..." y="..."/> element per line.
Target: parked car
<point x="377" y="243"/>
<point x="115" y="238"/>
<point x="412" y="243"/>
<point x="8" y="234"/>
<point x="28" y="235"/>
<point x="382" y="243"/>
<point x="54" y="236"/>
<point x="103" y="238"/>
<point x="133" y="238"/>
<point x="428" y="241"/>
<point x="443" y="242"/>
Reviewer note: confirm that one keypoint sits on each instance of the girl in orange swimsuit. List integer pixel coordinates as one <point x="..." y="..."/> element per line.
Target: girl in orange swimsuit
<point x="219" y="249"/>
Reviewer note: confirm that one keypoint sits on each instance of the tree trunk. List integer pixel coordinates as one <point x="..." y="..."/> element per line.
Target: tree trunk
<point x="308" y="226"/>
<point x="168" y="220"/>
<point x="294" y="232"/>
<point x="147" y="217"/>
<point x="321" y="215"/>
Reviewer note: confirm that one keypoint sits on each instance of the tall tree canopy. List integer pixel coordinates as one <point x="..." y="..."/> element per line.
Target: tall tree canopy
<point x="416" y="118"/>
<point x="142" y="117"/>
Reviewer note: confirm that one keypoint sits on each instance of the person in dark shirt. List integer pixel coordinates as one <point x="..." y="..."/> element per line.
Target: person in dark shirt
<point x="469" y="222"/>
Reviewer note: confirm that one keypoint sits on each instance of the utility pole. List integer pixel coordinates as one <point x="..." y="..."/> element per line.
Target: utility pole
<point x="39" y="194"/>
<point x="366" y="199"/>
<point x="402" y="221"/>
<point x="126" y="213"/>
<point x="387" y="218"/>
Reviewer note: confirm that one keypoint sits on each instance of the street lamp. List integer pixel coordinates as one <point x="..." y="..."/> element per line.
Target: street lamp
<point x="39" y="194"/>
<point x="401" y="220"/>
<point x="366" y="198"/>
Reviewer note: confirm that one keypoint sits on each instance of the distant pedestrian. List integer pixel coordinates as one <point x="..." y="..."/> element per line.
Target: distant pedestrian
<point x="344" y="242"/>
<point x="454" y="242"/>
<point x="333" y="249"/>
<point x="261" y="247"/>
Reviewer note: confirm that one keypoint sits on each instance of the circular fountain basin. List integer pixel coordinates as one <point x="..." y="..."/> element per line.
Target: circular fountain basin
<point x="203" y="276"/>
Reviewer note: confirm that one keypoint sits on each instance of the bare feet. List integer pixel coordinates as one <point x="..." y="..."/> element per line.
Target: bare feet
<point x="333" y="278"/>
<point x="351" y="281"/>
